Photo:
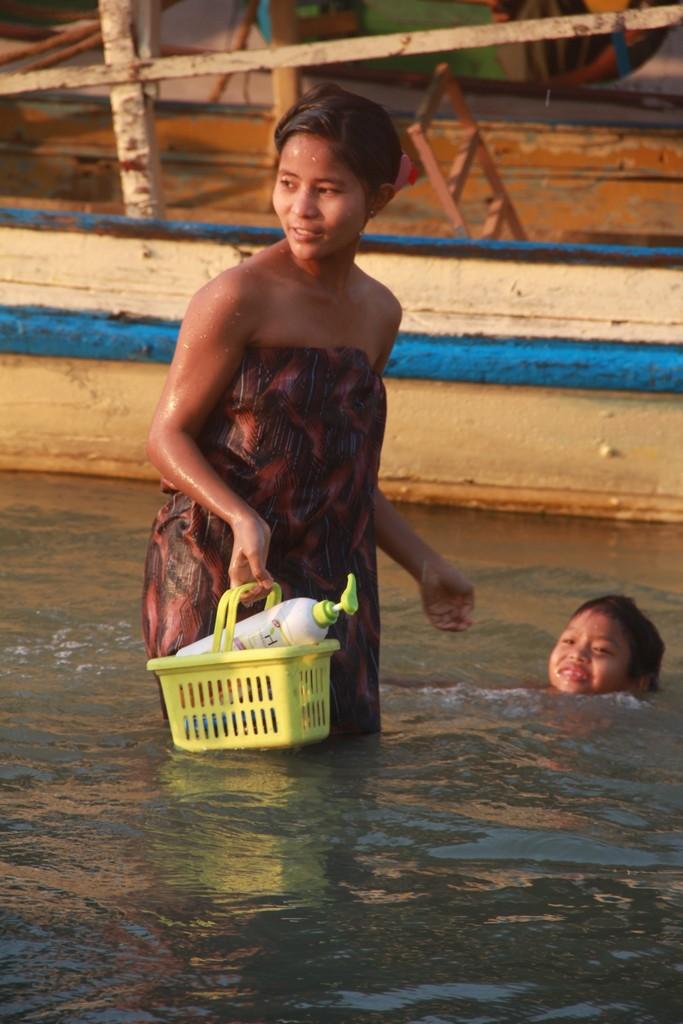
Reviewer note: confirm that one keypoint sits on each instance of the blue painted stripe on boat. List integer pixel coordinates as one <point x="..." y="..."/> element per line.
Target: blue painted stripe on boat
<point x="42" y="331"/>
<point x="119" y="226"/>
<point x="527" y="252"/>
<point x="531" y="362"/>
<point x="540" y="362"/>
<point x="405" y="245"/>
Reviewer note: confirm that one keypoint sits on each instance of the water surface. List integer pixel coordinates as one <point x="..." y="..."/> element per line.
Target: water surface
<point x="499" y="854"/>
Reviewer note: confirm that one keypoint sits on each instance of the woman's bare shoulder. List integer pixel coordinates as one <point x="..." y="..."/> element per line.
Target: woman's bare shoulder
<point x="383" y="315"/>
<point x="235" y="291"/>
<point x="382" y="298"/>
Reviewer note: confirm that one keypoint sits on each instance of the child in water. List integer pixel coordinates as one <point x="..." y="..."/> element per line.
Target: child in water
<point x="269" y="428"/>
<point x="607" y="645"/>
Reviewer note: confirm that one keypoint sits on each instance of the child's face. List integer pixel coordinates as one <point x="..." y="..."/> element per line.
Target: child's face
<point x="592" y="655"/>
<point x="321" y="204"/>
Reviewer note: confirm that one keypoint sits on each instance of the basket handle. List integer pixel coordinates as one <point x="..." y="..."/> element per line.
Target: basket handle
<point x="226" y="614"/>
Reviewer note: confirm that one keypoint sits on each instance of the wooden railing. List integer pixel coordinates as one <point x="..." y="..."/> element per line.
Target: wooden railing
<point x="130" y="37"/>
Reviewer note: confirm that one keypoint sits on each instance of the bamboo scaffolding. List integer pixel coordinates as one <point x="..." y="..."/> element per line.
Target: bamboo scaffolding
<point x="338" y="50"/>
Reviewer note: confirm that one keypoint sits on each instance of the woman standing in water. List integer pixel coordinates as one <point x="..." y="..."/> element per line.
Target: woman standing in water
<point x="269" y="429"/>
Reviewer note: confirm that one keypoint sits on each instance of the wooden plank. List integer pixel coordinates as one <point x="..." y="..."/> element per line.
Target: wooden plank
<point x="286" y="80"/>
<point x="343" y="50"/>
<point x="440" y="187"/>
<point x="461" y="165"/>
<point x="133" y="109"/>
<point x="445" y="286"/>
<point x="331" y="25"/>
<point x="544" y="450"/>
<point x="55" y="41"/>
<point x="104" y="228"/>
<point x="95" y="421"/>
<point x="449" y="188"/>
<point x="238" y="42"/>
<point x="90" y="42"/>
<point x="594" y="365"/>
<point x="215" y="165"/>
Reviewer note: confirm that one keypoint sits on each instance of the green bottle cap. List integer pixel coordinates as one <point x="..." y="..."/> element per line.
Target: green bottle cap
<point x="326" y="612"/>
<point x="348" y="602"/>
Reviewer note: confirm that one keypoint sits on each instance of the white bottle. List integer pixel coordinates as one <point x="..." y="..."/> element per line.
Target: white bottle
<point x="300" y="620"/>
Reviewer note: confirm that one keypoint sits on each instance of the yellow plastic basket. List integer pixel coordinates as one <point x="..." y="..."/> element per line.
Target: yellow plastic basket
<point x="230" y="700"/>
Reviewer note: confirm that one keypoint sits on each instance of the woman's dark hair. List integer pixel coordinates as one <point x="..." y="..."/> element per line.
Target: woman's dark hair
<point x="645" y="643"/>
<point x="360" y="130"/>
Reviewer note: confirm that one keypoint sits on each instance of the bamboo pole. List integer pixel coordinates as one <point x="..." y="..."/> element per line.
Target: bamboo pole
<point x="132" y="109"/>
<point x="340" y="50"/>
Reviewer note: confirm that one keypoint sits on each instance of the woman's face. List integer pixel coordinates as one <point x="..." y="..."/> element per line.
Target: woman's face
<point x="321" y="204"/>
<point x="592" y="655"/>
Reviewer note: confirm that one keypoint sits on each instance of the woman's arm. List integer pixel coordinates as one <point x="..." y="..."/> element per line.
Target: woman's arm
<point x="447" y="596"/>
<point x="211" y="343"/>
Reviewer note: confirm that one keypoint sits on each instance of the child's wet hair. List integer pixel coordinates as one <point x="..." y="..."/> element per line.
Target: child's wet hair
<point x="645" y="643"/>
<point x="360" y="130"/>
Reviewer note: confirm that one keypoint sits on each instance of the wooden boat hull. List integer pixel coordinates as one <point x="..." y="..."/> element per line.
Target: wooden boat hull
<point x="525" y="377"/>
<point x="572" y="179"/>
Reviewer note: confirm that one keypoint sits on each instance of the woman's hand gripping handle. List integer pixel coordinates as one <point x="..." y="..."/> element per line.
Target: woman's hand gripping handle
<point x="251" y="542"/>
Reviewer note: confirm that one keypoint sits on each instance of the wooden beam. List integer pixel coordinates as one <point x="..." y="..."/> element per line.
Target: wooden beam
<point x="473" y="147"/>
<point x="238" y="42"/>
<point x="147" y="23"/>
<point x="333" y="25"/>
<point x="132" y="109"/>
<point x="55" y="41"/>
<point x="147" y="40"/>
<point x="286" y="89"/>
<point x="342" y="50"/>
<point x="92" y="41"/>
<point x="33" y="11"/>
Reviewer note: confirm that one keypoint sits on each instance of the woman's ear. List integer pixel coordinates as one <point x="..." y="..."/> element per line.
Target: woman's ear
<point x="384" y="194"/>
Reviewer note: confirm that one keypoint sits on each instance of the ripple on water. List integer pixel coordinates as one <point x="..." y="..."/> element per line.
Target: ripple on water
<point x="500" y="854"/>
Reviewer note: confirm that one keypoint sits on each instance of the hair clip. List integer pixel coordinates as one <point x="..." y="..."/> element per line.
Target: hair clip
<point x="407" y="173"/>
